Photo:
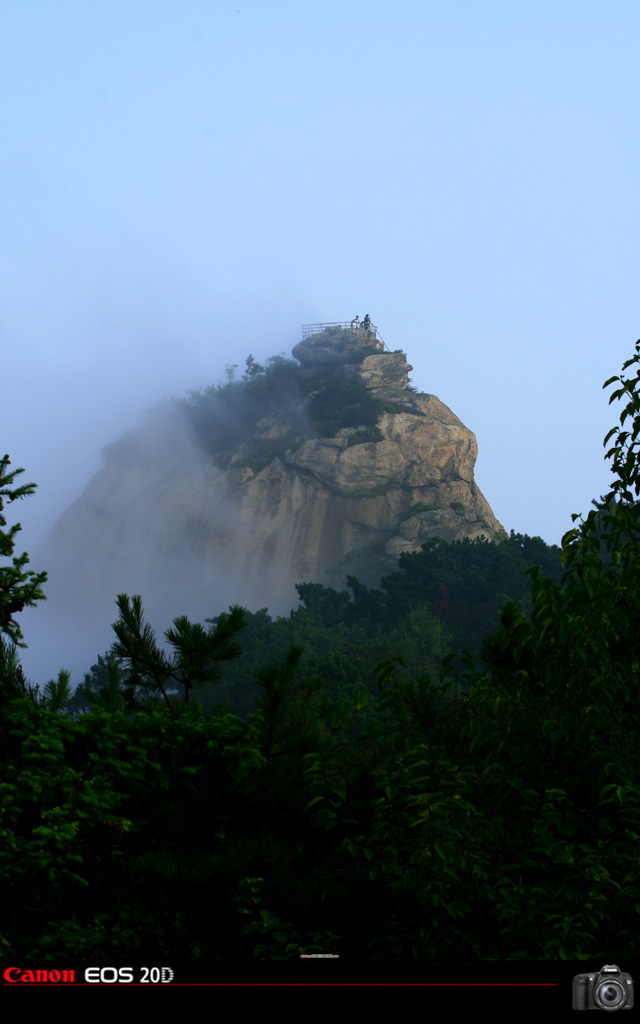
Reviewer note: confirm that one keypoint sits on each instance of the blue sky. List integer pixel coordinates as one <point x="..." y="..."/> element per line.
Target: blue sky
<point x="185" y="183"/>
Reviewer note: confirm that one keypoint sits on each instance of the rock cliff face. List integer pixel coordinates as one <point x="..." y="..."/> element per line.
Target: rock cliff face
<point x="283" y="506"/>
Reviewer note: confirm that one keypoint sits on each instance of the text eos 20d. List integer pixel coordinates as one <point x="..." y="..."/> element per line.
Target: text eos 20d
<point x="128" y="975"/>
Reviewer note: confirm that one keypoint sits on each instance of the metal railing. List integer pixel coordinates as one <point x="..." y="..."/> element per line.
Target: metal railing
<point x="345" y="325"/>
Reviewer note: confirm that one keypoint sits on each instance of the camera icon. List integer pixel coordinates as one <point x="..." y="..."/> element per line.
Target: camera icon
<point x="609" y="989"/>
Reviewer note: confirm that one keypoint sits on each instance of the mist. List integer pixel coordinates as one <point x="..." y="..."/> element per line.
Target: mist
<point x="188" y="184"/>
<point x="73" y="626"/>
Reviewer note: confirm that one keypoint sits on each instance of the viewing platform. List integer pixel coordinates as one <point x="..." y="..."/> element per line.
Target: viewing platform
<point x="346" y="325"/>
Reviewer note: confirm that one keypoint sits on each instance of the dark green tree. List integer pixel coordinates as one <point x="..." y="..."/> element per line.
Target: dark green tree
<point x="253" y="369"/>
<point x="18" y="589"/>
<point x="198" y="652"/>
<point x="108" y="686"/>
<point x="510" y="828"/>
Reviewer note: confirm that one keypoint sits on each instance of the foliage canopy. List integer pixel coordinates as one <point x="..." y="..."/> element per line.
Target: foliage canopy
<point x="495" y="815"/>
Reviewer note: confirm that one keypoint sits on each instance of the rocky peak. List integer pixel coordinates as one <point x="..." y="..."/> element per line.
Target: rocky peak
<point x="348" y="472"/>
<point x="352" y="354"/>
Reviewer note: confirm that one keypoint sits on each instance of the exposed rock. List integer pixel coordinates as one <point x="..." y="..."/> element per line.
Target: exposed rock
<point x="388" y="369"/>
<point x="172" y="524"/>
<point x="335" y="345"/>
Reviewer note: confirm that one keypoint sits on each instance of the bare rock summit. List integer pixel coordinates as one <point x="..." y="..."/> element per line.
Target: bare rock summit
<point x="305" y="471"/>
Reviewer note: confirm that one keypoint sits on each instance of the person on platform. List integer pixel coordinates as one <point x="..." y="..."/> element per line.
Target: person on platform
<point x="367" y="323"/>
<point x="355" y="322"/>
